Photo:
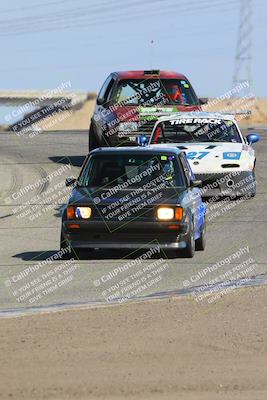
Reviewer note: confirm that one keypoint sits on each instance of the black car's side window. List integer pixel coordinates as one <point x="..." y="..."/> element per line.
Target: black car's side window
<point x="191" y="173"/>
<point x="188" y="172"/>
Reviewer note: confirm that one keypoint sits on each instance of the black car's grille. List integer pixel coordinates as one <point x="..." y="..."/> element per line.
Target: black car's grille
<point x="119" y="214"/>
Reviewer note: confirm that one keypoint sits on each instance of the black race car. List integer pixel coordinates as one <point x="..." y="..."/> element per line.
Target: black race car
<point x="135" y="197"/>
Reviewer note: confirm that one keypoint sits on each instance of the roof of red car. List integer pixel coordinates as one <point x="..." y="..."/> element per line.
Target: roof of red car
<point x="142" y="74"/>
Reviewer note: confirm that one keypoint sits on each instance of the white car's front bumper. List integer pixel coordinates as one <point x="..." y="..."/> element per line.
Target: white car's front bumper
<point x="233" y="184"/>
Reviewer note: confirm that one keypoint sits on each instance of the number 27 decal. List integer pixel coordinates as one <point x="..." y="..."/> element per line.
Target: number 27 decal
<point x="196" y="155"/>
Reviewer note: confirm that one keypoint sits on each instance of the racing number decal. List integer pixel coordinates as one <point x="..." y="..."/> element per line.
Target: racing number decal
<point x="192" y="155"/>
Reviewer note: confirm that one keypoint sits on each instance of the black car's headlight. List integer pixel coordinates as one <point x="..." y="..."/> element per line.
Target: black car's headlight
<point x="79" y="212"/>
<point x="83" y="212"/>
<point x="170" y="213"/>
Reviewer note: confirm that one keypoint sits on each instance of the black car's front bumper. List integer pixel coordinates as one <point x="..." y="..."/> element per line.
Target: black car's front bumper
<point x="134" y="234"/>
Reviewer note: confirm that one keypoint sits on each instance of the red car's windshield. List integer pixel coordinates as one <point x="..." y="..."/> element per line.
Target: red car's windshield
<point x="148" y="92"/>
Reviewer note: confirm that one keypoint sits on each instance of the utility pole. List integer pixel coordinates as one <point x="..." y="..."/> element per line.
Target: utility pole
<point x="243" y="58"/>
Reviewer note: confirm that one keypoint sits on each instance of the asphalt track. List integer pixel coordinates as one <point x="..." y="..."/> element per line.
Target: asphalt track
<point x="30" y="229"/>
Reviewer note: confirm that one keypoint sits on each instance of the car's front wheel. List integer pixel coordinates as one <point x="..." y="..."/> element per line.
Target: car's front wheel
<point x="93" y="142"/>
<point x="65" y="248"/>
<point x="82" y="254"/>
<point x="189" y="251"/>
<point x="254" y="191"/>
<point x="201" y="241"/>
<point x="69" y="252"/>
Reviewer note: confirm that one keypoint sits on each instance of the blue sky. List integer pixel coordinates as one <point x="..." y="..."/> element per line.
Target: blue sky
<point x="44" y="43"/>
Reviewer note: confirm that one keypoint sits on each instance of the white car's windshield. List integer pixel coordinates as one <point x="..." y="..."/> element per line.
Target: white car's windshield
<point x="196" y="130"/>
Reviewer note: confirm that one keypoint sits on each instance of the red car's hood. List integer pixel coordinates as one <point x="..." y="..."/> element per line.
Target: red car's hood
<point x="137" y="113"/>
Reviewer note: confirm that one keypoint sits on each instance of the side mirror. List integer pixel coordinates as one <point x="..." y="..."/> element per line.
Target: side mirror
<point x="203" y="100"/>
<point x="253" y="138"/>
<point x="100" y="101"/>
<point x="142" y="140"/>
<point x="196" y="183"/>
<point x="70" y="181"/>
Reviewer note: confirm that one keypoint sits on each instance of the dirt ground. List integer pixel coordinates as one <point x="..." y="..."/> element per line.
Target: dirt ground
<point x="160" y="349"/>
<point x="257" y="106"/>
<point x="80" y="119"/>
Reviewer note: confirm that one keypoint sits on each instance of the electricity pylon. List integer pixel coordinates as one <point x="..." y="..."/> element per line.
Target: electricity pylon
<point x="243" y="58"/>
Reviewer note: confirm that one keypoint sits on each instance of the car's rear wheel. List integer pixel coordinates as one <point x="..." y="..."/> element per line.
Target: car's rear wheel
<point x="201" y="241"/>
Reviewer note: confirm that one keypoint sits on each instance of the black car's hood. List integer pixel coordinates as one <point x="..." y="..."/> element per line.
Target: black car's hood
<point x="100" y="196"/>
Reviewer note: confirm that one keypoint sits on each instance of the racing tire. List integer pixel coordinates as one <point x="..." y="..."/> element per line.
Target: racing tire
<point x="77" y="253"/>
<point x="63" y="246"/>
<point x="189" y="251"/>
<point x="249" y="196"/>
<point x="93" y="142"/>
<point x="253" y="194"/>
<point x="81" y="254"/>
<point x="201" y="241"/>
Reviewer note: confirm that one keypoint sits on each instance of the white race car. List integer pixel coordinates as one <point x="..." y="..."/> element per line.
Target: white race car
<point x="216" y="150"/>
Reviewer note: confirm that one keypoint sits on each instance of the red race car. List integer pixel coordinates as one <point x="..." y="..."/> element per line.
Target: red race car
<point x="130" y="102"/>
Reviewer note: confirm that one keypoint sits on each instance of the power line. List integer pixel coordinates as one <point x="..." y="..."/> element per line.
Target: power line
<point x="54" y="26"/>
<point x="48" y="4"/>
<point x="197" y="31"/>
<point x="100" y="8"/>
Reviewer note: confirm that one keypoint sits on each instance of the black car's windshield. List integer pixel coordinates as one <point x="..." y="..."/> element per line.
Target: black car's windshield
<point x="154" y="91"/>
<point x="132" y="171"/>
<point x="196" y="130"/>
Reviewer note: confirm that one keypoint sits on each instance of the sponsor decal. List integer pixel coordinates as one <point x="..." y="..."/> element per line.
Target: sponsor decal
<point x="152" y="110"/>
<point x="152" y="113"/>
<point x="196" y="155"/>
<point x="183" y="121"/>
<point x="231" y="155"/>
